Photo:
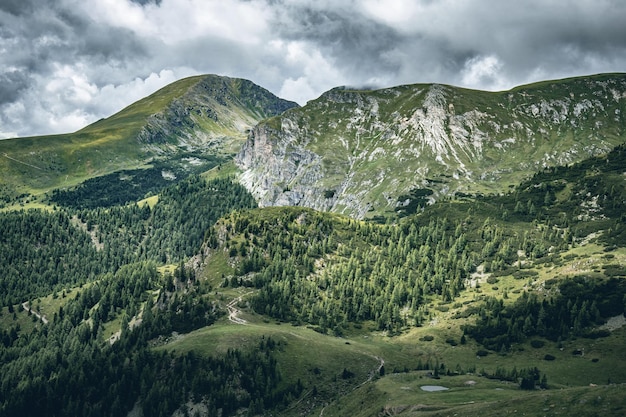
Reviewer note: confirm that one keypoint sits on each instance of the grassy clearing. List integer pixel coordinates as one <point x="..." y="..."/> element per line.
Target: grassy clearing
<point x="317" y="360"/>
<point x="26" y="322"/>
<point x="400" y="395"/>
<point x="225" y="170"/>
<point x="218" y="267"/>
<point x="50" y="305"/>
<point x="150" y="201"/>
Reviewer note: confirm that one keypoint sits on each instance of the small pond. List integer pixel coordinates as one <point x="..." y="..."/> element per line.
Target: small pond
<point x="433" y="388"/>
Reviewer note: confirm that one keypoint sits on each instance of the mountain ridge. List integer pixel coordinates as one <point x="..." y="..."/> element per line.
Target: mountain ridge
<point x="445" y="139"/>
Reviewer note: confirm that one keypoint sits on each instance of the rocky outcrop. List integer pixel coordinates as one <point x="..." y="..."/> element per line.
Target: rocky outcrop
<point x="364" y="153"/>
<point x="280" y="171"/>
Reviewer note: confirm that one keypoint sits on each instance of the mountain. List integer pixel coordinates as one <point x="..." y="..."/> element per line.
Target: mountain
<point x="365" y="153"/>
<point x="184" y="122"/>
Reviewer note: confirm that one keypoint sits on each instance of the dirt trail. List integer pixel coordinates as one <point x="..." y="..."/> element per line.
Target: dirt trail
<point x="21" y="162"/>
<point x="233" y="311"/>
<point x="39" y="316"/>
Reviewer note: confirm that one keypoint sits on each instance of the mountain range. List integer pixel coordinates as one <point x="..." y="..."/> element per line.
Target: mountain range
<point x="362" y="153"/>
<point x="366" y="152"/>
<point x="181" y="125"/>
<point x="423" y="249"/>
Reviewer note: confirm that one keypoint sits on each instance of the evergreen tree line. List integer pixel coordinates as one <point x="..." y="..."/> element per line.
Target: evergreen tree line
<point x="127" y="186"/>
<point x="582" y="197"/>
<point x="326" y="271"/>
<point x="42" y="252"/>
<point x="68" y="369"/>
<point x="580" y="303"/>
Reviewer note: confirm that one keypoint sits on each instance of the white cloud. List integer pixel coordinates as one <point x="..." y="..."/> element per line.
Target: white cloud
<point x="483" y="72"/>
<point x="70" y="85"/>
<point x="72" y="61"/>
<point x="318" y="73"/>
<point x="112" y="98"/>
<point x="174" y="21"/>
<point x="70" y="102"/>
<point x="402" y="14"/>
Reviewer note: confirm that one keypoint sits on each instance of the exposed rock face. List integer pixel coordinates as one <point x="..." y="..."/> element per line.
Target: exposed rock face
<point x="279" y="162"/>
<point x="363" y="152"/>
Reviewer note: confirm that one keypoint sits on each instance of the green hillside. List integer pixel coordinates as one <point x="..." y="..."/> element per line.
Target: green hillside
<point x="178" y="126"/>
<point x="366" y="153"/>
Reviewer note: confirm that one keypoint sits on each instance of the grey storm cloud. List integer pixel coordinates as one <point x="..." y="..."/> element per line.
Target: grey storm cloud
<point x="66" y="63"/>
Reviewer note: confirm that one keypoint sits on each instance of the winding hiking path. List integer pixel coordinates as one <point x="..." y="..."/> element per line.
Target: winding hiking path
<point x="30" y="310"/>
<point x="233" y="311"/>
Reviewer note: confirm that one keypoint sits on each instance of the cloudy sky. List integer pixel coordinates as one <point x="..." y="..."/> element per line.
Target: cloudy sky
<point x="67" y="63"/>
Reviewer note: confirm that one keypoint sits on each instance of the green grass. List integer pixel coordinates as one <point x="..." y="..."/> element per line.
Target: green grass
<point x="401" y="395"/>
<point x="26" y="322"/>
<point x="571" y="378"/>
<point x="303" y="354"/>
<point x="150" y="201"/>
<point x="317" y="360"/>
<point x="225" y="170"/>
<point x="218" y="267"/>
<point x="303" y="350"/>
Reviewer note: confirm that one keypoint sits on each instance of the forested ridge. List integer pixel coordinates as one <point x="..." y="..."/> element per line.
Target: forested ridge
<point x="67" y="369"/>
<point x="106" y="268"/>
<point x="66" y="364"/>
<point x="45" y="251"/>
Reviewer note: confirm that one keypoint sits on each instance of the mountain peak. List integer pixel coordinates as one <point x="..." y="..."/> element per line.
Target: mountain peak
<point x="200" y="115"/>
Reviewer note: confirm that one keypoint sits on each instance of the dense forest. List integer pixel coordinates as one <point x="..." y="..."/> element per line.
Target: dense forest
<point x="41" y="251"/>
<point x="126" y="186"/>
<point x="67" y="369"/>
<point x="301" y="266"/>
<point x="328" y="271"/>
<point x="112" y="254"/>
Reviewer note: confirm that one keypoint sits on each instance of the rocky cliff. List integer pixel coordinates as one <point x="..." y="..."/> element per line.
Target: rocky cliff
<point x="365" y="153"/>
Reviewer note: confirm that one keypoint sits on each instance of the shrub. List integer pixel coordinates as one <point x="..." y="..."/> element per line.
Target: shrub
<point x="549" y="357"/>
<point x="537" y="343"/>
<point x="492" y="280"/>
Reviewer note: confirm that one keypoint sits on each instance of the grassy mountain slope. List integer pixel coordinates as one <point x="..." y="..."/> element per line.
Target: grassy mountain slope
<point x="364" y="153"/>
<point x="194" y="117"/>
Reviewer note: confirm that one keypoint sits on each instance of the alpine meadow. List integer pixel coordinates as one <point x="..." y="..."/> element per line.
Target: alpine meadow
<point x="419" y="250"/>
